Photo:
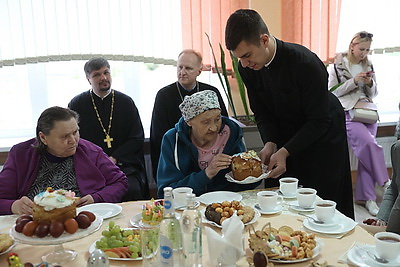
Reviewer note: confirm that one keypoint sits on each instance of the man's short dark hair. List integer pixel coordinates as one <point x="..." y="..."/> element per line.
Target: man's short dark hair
<point x="95" y="64"/>
<point x="244" y="25"/>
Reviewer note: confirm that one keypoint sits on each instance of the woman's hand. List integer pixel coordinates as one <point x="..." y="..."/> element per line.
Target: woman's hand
<point x="363" y="78"/>
<point x="219" y="162"/>
<point x="22" y="206"/>
<point x="88" y="199"/>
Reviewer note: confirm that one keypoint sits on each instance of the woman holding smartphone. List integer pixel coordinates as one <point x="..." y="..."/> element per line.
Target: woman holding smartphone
<point x="354" y="75"/>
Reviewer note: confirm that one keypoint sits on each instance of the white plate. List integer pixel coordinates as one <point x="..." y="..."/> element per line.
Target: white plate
<point x="93" y="247"/>
<point x="219" y="197"/>
<point x="257" y="215"/>
<point x="295" y="206"/>
<point x="250" y="179"/>
<point x="105" y="210"/>
<point x="275" y="210"/>
<point x="358" y="256"/>
<point x="49" y="240"/>
<point x="344" y="225"/>
<point x="316" y="252"/>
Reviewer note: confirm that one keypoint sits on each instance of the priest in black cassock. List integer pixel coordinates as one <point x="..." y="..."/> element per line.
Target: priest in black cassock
<point x="301" y="123"/>
<point x="111" y="120"/>
<point x="166" y="112"/>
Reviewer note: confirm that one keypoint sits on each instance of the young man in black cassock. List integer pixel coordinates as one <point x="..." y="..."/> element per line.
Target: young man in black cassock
<point x="301" y="123"/>
<point x="111" y="120"/>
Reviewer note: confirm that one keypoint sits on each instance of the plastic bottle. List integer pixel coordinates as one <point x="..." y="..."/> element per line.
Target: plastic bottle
<point x="191" y="232"/>
<point x="170" y="234"/>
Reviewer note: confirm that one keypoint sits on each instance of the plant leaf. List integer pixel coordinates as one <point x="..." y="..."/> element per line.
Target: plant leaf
<point x="241" y="86"/>
<point x="333" y="88"/>
<point x="228" y="96"/>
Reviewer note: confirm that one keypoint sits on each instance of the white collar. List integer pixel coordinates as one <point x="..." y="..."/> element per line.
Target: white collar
<point x="273" y="56"/>
<point x="100" y="96"/>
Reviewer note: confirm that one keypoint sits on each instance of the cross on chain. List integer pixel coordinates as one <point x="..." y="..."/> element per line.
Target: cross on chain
<point x="108" y="140"/>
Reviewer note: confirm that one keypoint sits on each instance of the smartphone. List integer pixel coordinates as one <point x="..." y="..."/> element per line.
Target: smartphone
<point x="369" y="73"/>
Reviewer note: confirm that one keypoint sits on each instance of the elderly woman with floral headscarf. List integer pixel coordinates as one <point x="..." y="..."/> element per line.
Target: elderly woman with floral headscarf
<point x="197" y="153"/>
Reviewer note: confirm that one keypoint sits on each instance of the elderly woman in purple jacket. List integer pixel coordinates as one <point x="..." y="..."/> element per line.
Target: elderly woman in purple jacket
<point x="57" y="158"/>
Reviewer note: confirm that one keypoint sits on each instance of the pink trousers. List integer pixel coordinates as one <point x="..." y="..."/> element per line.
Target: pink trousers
<point x="371" y="163"/>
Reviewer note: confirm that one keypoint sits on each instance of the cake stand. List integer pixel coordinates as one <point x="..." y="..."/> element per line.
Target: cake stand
<point x="59" y="255"/>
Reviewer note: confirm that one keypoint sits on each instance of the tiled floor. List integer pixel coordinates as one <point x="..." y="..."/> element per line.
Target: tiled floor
<point x="361" y="213"/>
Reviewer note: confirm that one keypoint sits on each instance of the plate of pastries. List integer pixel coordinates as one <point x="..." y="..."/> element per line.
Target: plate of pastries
<point x="247" y="168"/>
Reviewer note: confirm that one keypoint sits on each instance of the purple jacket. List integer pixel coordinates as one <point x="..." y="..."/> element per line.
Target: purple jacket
<point x="96" y="174"/>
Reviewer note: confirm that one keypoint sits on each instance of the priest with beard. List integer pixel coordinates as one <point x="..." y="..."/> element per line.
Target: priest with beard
<point x="111" y="120"/>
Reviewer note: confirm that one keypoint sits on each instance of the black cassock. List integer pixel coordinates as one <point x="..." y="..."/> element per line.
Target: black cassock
<point x="126" y="131"/>
<point x="295" y="110"/>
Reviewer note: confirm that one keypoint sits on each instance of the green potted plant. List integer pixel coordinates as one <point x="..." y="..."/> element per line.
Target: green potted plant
<point x="224" y="79"/>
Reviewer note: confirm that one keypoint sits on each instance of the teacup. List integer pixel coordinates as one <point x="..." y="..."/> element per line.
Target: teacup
<point x="288" y="186"/>
<point x="180" y="196"/>
<point x="269" y="200"/>
<point x="325" y="210"/>
<point x="387" y="245"/>
<point x="306" y="197"/>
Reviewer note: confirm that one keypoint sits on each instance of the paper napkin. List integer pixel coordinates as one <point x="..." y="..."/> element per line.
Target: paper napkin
<point x="228" y="248"/>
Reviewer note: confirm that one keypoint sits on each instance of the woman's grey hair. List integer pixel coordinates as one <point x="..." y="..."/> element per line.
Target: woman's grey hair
<point x="47" y="120"/>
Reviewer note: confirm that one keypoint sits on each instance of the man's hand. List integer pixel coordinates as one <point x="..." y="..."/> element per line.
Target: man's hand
<point x="267" y="151"/>
<point x="88" y="199"/>
<point x="22" y="206"/>
<point x="277" y="163"/>
<point x="219" y="162"/>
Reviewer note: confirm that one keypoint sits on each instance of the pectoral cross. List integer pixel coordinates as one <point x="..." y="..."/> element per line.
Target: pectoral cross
<point x="108" y="140"/>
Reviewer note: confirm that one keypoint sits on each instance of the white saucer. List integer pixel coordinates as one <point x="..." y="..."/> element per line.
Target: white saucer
<point x="196" y="205"/>
<point x="334" y="223"/>
<point x="358" y="256"/>
<point x="277" y="209"/>
<point x="295" y="206"/>
<point x="104" y="210"/>
<point x="344" y="224"/>
<point x="286" y="196"/>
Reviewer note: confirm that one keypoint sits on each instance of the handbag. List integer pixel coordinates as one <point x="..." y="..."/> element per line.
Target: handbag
<point x="365" y="112"/>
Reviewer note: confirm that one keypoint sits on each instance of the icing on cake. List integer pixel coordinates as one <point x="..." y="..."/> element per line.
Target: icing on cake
<point x="54" y="199"/>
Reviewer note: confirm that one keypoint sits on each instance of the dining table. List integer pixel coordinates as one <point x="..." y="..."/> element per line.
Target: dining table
<point x="333" y="246"/>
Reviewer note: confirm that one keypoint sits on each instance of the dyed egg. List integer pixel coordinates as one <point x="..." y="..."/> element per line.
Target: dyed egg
<point x="42" y="230"/>
<point x="29" y="228"/>
<point x="56" y="229"/>
<point x="20" y="225"/>
<point x="24" y="217"/>
<point x="83" y="221"/>
<point x="90" y="215"/>
<point x="71" y="225"/>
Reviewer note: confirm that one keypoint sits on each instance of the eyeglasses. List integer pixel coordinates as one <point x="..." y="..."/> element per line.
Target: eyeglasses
<point x="364" y="34"/>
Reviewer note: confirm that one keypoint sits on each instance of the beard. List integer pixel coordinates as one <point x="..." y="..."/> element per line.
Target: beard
<point x="105" y="89"/>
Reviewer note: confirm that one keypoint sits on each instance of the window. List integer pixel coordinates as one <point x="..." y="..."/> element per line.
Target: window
<point x="379" y="18"/>
<point x="45" y="43"/>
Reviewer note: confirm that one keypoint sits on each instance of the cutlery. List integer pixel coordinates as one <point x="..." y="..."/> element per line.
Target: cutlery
<point x="300" y="208"/>
<point x="373" y="256"/>
<point x="313" y="219"/>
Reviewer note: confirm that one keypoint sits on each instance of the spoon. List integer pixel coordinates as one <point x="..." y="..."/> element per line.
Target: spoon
<point x="314" y="220"/>
<point x="374" y="257"/>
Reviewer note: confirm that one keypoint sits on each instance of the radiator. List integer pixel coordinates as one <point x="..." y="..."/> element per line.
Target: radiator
<point x="386" y="143"/>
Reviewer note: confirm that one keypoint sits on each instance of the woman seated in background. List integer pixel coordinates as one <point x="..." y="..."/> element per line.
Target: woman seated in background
<point x="355" y="72"/>
<point x="57" y="158"/>
<point x="389" y="212"/>
<point x="197" y="153"/>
